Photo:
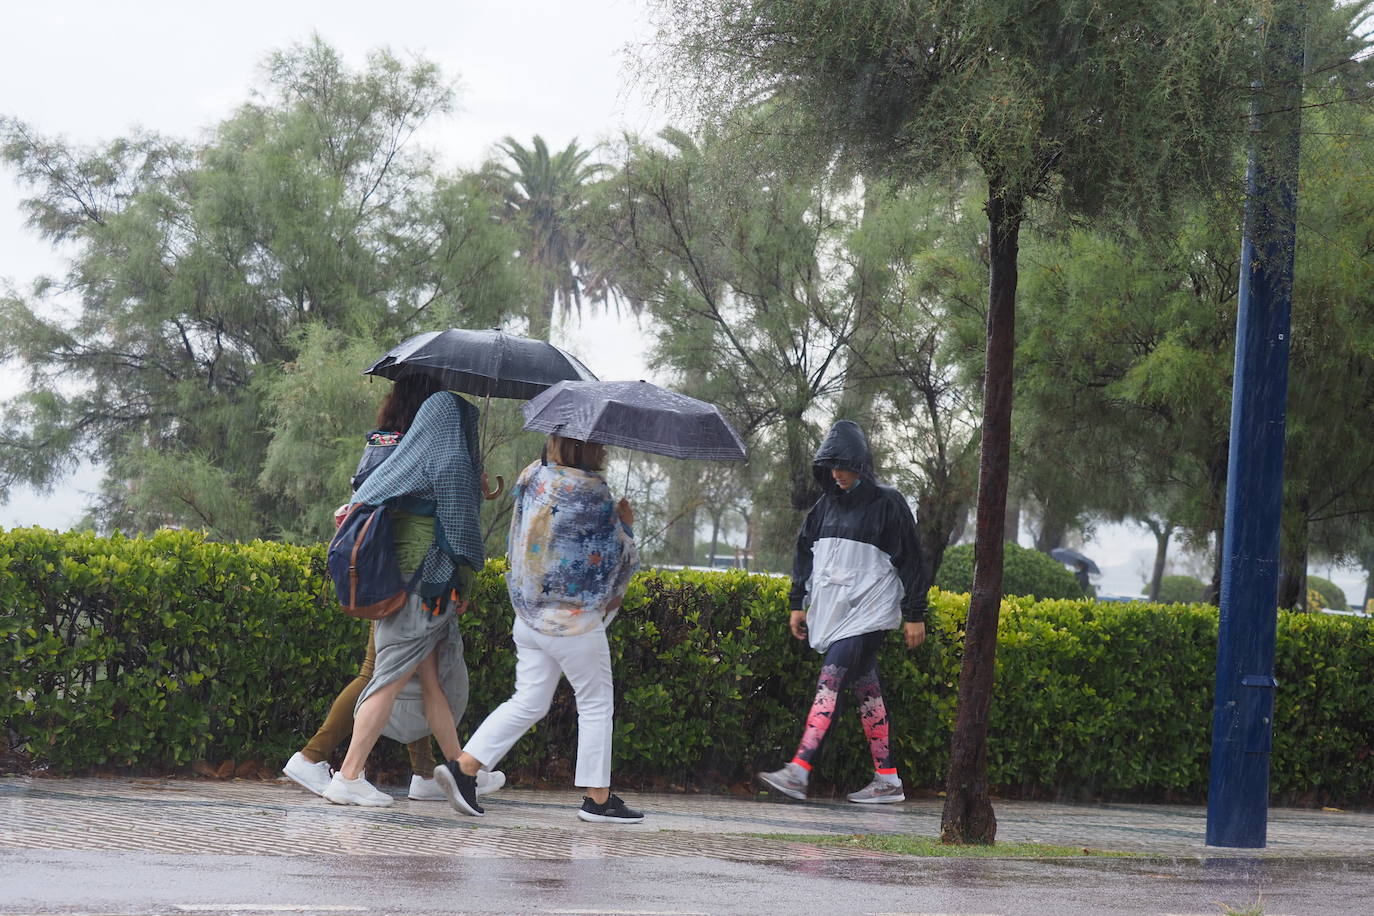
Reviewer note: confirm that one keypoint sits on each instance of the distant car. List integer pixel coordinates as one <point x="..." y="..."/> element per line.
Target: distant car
<point x="1328" y="610"/>
<point x="1122" y="599"/>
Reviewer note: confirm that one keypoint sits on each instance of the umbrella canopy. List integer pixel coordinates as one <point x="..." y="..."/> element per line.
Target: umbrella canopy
<point x="637" y="415"/>
<point x="1074" y="558"/>
<point x="488" y="363"/>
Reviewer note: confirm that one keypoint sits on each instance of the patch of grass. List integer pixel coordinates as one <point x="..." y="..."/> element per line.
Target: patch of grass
<point x="910" y="845"/>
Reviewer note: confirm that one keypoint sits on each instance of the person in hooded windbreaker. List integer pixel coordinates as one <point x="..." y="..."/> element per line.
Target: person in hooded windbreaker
<point x="858" y="574"/>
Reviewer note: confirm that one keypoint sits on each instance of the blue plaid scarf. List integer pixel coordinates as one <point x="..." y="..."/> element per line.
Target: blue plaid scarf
<point x="437" y="470"/>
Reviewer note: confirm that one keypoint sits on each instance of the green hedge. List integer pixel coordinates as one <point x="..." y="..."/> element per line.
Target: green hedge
<point x="166" y="650"/>
<point x="1181" y="590"/>
<point x="1024" y="572"/>
<point x="1333" y="596"/>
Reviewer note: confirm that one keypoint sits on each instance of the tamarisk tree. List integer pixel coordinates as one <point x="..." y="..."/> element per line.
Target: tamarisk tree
<point x="1110" y="105"/>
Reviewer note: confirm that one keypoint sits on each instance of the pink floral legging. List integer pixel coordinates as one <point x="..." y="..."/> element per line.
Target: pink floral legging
<point x="850" y="662"/>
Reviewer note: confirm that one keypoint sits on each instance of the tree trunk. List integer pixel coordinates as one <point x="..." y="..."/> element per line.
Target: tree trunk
<point x="715" y="536"/>
<point x="1368" y="582"/>
<point x="1216" y="473"/>
<point x="1162" y="532"/>
<point x="800" y="454"/>
<point x="1051" y="534"/>
<point x="937" y="516"/>
<point x="683" y="500"/>
<point x="1054" y="526"/>
<point x="968" y="815"/>
<point x="1013" y="522"/>
<point x="1212" y="595"/>
<point x="1293" y="573"/>
<point x="960" y="524"/>
<point x="751" y="540"/>
<point x="871" y="282"/>
<point x="541" y="314"/>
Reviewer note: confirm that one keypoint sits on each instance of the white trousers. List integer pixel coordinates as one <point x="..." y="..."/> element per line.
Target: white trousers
<point x="539" y="662"/>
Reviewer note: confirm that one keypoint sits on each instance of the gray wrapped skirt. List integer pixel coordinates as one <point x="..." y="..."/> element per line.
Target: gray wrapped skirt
<point x="403" y="640"/>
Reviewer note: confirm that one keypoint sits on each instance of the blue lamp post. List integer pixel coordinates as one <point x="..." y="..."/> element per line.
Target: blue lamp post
<point x="1242" y="721"/>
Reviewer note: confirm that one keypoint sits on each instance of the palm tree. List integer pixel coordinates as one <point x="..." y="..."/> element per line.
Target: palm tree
<point x="544" y="195"/>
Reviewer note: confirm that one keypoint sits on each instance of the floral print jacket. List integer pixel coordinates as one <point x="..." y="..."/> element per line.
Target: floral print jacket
<point x="571" y="557"/>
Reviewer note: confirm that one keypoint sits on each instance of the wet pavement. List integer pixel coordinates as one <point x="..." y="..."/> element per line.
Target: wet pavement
<point x="151" y="846"/>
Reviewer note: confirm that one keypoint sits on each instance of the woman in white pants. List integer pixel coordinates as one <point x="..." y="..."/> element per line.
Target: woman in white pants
<point x="572" y="553"/>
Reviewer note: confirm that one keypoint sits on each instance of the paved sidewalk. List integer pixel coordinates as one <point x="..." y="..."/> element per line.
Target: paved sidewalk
<point x="262" y="818"/>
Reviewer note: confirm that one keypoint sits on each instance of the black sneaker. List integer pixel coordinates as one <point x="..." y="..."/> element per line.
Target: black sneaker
<point x="613" y="812"/>
<point x="459" y="788"/>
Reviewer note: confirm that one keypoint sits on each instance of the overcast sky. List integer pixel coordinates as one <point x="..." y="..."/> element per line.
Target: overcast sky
<point x="91" y="70"/>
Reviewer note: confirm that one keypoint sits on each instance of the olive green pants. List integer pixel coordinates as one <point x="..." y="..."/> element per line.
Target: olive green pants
<point x="338" y="724"/>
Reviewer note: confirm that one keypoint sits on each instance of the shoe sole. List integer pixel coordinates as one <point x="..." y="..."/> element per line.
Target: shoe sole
<point x="607" y="819"/>
<point x="779" y="787"/>
<point x="360" y="804"/>
<point x="883" y="800"/>
<point x="304" y="785"/>
<point x="455" y="798"/>
<point x="481" y="790"/>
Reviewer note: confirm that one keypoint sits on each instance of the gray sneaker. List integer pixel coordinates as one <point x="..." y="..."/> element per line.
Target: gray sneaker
<point x="791" y="781"/>
<point x="879" y="792"/>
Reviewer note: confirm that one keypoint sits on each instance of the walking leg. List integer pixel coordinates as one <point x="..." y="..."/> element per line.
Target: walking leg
<point x="339" y="721"/>
<point x="437" y="711"/>
<point x="839" y="661"/>
<point x="368" y="723"/>
<point x="536" y="679"/>
<point x="586" y="663"/>
<point x="868" y="693"/>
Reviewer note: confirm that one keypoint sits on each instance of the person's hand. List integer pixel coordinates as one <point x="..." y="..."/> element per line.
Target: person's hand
<point x="625" y="511"/>
<point x="461" y="607"/>
<point x="914" y="632"/>
<point x="797" y="624"/>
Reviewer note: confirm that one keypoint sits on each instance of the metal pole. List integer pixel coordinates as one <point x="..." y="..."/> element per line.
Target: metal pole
<point x="1242" y="721"/>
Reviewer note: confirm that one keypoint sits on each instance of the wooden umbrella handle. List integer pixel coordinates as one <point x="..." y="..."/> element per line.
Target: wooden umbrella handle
<point x="500" y="487"/>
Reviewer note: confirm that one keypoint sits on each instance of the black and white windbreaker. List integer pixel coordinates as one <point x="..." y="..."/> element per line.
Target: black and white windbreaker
<point x="858" y="566"/>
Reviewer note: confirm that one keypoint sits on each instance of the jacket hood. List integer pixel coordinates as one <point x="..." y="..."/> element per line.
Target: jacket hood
<point x="845" y="447"/>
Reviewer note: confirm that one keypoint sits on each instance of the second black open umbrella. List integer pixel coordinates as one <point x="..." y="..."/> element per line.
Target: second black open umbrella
<point x="636" y="415"/>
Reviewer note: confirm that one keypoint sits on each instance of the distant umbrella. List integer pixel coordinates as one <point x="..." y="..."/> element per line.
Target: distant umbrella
<point x="488" y="363"/>
<point x="1074" y="558"/>
<point x="635" y="415"/>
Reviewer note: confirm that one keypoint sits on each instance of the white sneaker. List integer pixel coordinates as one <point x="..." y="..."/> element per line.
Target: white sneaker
<point x="489" y="782"/>
<point x="313" y="777"/>
<point x="422" y="789"/>
<point x="355" y="792"/>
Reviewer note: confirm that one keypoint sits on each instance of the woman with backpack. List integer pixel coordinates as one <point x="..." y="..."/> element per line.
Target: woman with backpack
<point x="572" y="553"/>
<point x="309" y="766"/>
<point x="431" y="486"/>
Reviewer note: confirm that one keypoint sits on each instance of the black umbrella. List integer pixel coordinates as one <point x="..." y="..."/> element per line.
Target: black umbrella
<point x="488" y="363"/>
<point x="1074" y="558"/>
<point x="636" y="415"/>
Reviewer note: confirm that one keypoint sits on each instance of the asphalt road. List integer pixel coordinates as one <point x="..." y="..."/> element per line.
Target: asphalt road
<point x="85" y="882"/>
